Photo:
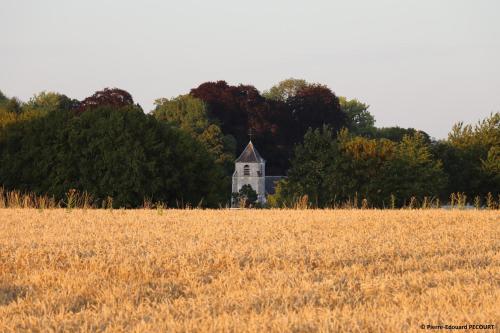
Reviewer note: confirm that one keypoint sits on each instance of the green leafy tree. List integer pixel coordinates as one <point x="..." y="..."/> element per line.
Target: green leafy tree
<point x="246" y="197"/>
<point x="13" y="110"/>
<point x="6" y="117"/>
<point x="185" y="111"/>
<point x="189" y="114"/>
<point x="396" y="133"/>
<point x="285" y="89"/>
<point x="359" y="173"/>
<point x="412" y="172"/>
<point x="332" y="170"/>
<point x="108" y="151"/>
<point x="470" y="157"/>
<point x="9" y="110"/>
<point x="14" y="105"/>
<point x="282" y="197"/>
<point x="43" y="103"/>
<point x="312" y="166"/>
<point x="3" y="98"/>
<point x="360" y="120"/>
<point x="485" y="133"/>
<point x="491" y="166"/>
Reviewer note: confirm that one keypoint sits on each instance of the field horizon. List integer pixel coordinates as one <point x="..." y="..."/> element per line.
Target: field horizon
<point x="247" y="270"/>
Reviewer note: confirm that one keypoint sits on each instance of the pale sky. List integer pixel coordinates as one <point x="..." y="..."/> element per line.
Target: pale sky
<point x="418" y="63"/>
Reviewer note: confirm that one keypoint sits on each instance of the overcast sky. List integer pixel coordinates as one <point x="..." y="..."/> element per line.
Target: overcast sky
<point x="418" y="63"/>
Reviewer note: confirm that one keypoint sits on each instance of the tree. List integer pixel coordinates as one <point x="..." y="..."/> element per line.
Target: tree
<point x="359" y="120"/>
<point x="358" y="175"/>
<point x="246" y="197"/>
<point x="189" y="114"/>
<point x="276" y="123"/>
<point x="491" y="167"/>
<point x="13" y="110"/>
<point x="14" y="105"/>
<point x="240" y="111"/>
<point x="412" y="172"/>
<point x="108" y="151"/>
<point x="281" y="198"/>
<point x="299" y="106"/>
<point x="185" y="111"/>
<point x="309" y="105"/>
<point x="108" y="97"/>
<point x="397" y="133"/>
<point x="285" y="89"/>
<point x="333" y="170"/>
<point x="470" y="157"/>
<point x="313" y="107"/>
<point x="312" y="165"/>
<point x="228" y="105"/>
<point x="6" y="116"/>
<point x="45" y="102"/>
<point x="485" y="132"/>
<point x="3" y="98"/>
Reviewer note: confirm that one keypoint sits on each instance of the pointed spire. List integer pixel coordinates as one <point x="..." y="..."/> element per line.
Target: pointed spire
<point x="250" y="155"/>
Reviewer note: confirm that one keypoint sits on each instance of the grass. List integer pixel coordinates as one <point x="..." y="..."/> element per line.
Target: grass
<point x="247" y="270"/>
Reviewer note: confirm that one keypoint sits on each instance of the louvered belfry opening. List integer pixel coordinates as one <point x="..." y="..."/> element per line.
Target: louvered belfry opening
<point x="246" y="170"/>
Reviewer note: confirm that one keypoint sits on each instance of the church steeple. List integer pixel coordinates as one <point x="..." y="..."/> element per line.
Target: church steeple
<point x="250" y="155"/>
<point x="250" y="169"/>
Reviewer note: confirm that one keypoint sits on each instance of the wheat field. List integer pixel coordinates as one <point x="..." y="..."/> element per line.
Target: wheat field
<point x="247" y="270"/>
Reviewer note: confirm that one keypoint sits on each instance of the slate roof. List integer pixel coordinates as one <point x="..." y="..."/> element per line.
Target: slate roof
<point x="250" y="155"/>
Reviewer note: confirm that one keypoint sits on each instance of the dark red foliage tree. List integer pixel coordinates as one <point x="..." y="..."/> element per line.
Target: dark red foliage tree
<point x="270" y="126"/>
<point x="275" y="126"/>
<point x="279" y="125"/>
<point x="244" y="113"/>
<point x="109" y="96"/>
<point x="314" y="106"/>
<point x="227" y="104"/>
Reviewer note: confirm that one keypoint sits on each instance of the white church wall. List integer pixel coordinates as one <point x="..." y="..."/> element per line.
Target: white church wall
<point x="256" y="179"/>
<point x="250" y="169"/>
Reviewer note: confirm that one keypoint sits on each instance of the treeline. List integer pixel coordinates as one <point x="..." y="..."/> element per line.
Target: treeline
<point x="107" y="146"/>
<point x="183" y="151"/>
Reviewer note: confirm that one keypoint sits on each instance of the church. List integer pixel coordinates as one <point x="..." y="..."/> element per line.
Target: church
<point x="250" y="169"/>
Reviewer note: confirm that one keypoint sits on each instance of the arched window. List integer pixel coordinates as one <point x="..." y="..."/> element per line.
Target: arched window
<point x="246" y="170"/>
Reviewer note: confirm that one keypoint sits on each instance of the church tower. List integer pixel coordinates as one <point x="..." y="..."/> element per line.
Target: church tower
<point x="250" y="169"/>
